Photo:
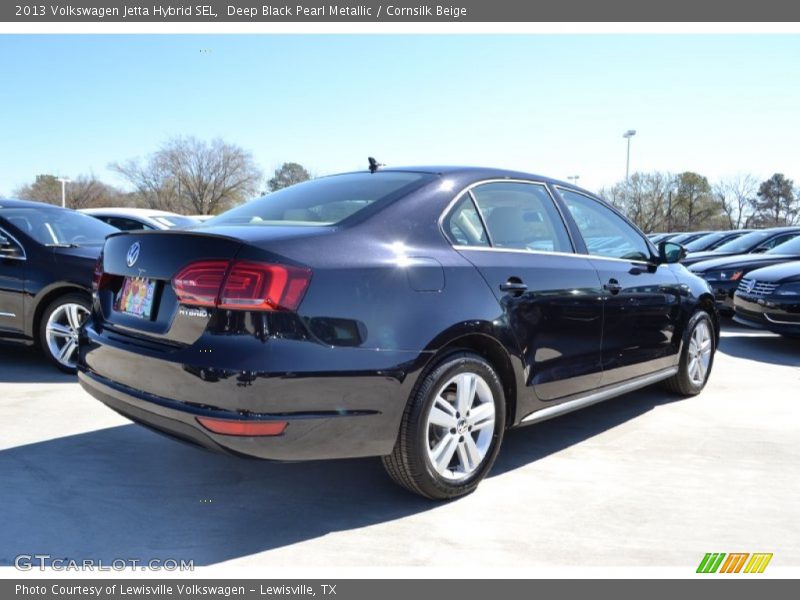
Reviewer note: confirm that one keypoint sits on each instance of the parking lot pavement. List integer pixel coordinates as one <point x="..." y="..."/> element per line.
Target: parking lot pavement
<point x="643" y="480"/>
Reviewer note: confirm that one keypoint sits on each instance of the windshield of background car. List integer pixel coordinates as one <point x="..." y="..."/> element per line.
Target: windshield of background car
<point x="173" y="221"/>
<point x="324" y="201"/>
<point x="54" y="226"/>
<point x="743" y="244"/>
<point x="703" y="241"/>
<point x="790" y="247"/>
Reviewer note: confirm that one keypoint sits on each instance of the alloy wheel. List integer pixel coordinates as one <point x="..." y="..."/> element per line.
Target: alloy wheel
<point x="460" y="426"/>
<point x="700" y="346"/>
<point x="61" y="332"/>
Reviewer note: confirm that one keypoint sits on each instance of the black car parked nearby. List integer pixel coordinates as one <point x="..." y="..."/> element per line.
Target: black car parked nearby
<point x="750" y="243"/>
<point x="409" y="314"/>
<point x="47" y="256"/>
<point x="714" y="240"/>
<point x="769" y="298"/>
<point x="725" y="274"/>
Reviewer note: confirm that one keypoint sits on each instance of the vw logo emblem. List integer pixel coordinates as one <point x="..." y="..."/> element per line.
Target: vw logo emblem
<point x="133" y="254"/>
<point x="751" y="284"/>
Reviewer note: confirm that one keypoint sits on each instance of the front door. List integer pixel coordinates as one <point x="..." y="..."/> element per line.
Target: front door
<point x="641" y="298"/>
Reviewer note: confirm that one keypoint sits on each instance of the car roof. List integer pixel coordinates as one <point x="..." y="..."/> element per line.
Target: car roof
<point x="15" y="203"/>
<point x="476" y="172"/>
<point x="132" y="212"/>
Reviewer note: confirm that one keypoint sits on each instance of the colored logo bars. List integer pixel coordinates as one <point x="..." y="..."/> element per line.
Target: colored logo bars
<point x="716" y="562"/>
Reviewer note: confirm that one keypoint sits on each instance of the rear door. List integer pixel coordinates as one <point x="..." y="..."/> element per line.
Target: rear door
<point x="641" y="298"/>
<point x="515" y="236"/>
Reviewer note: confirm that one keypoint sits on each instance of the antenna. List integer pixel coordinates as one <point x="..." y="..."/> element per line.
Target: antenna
<point x="374" y="164"/>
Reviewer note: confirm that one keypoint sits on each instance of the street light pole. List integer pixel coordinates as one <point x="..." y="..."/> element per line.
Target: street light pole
<point x="573" y="179"/>
<point x="628" y="135"/>
<point x="64" y="181"/>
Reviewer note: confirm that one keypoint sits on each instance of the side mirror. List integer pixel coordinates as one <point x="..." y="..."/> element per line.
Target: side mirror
<point x="670" y="252"/>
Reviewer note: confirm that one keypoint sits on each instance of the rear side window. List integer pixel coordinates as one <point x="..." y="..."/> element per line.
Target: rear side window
<point x="464" y="224"/>
<point x="603" y="230"/>
<point x="520" y="216"/>
<point x="124" y="224"/>
<point x="324" y="201"/>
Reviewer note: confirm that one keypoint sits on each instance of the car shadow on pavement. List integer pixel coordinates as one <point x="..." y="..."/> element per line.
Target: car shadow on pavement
<point x="126" y="492"/>
<point x="23" y="364"/>
<point x="529" y="444"/>
<point x="761" y="346"/>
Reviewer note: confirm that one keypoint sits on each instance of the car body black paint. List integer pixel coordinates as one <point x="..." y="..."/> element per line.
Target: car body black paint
<point x="389" y="293"/>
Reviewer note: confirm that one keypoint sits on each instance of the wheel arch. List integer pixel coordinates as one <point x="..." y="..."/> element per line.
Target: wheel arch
<point x="493" y="351"/>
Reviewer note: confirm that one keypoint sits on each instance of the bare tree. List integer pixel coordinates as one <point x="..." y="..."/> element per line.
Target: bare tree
<point x="736" y="195"/>
<point x="191" y="176"/>
<point x="85" y="191"/>
<point x="211" y="176"/>
<point x="156" y="186"/>
<point x="644" y="198"/>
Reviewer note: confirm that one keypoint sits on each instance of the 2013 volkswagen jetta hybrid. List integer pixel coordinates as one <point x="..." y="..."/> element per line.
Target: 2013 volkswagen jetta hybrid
<point x="411" y="314"/>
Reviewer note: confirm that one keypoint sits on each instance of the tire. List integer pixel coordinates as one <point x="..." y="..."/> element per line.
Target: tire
<point x="433" y="427"/>
<point x="697" y="356"/>
<point x="58" y="329"/>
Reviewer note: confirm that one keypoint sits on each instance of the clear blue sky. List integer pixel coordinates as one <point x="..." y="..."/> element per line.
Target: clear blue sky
<point x="556" y="105"/>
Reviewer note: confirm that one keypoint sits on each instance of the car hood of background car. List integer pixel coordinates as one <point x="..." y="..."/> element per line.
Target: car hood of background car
<point x="783" y="273"/>
<point x="739" y="260"/>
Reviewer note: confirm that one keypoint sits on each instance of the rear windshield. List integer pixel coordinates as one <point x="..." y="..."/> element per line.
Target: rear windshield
<point x="744" y="243"/>
<point x="56" y="226"/>
<point x="324" y="201"/>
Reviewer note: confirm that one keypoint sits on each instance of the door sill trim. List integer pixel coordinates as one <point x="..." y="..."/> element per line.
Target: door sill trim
<point x="612" y="391"/>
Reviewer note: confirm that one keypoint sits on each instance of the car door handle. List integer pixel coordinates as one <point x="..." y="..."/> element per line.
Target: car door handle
<point x="613" y="286"/>
<point x="513" y="286"/>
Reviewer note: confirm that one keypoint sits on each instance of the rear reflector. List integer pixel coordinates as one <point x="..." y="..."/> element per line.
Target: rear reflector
<point x="243" y="428"/>
<point x="241" y="285"/>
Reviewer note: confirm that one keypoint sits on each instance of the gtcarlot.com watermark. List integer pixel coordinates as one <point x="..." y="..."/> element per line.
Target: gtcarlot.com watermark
<point x="29" y="562"/>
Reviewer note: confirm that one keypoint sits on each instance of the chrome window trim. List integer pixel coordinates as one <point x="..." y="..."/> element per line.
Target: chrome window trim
<point x="21" y="247"/>
<point x="553" y="253"/>
<point x="468" y="189"/>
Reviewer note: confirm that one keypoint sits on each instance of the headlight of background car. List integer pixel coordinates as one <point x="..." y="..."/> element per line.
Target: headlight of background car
<point x="788" y="289"/>
<point x="726" y="275"/>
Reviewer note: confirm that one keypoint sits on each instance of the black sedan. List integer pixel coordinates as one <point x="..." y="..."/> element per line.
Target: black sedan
<point x="714" y="240"/>
<point x="724" y="274"/>
<point x="769" y="298"/>
<point x="410" y="314"/>
<point x="47" y="257"/>
<point x="750" y="243"/>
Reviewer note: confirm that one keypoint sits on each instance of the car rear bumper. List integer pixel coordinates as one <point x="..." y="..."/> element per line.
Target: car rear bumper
<point x="330" y="413"/>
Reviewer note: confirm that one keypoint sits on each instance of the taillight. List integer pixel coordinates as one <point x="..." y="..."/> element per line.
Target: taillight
<point x="241" y="285"/>
<point x="199" y="283"/>
<point x="99" y="278"/>
<point x="260" y="286"/>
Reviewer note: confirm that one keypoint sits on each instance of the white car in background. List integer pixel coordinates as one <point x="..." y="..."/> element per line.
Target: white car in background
<point x="134" y="219"/>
